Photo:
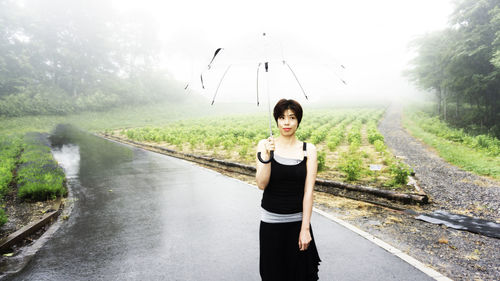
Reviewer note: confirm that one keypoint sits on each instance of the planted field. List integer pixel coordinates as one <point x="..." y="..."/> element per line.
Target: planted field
<point x="347" y="140"/>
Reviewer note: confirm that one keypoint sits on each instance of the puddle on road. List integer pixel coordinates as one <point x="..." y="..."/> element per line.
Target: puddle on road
<point x="68" y="157"/>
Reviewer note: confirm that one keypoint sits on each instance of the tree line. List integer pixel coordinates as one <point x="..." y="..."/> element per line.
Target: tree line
<point x="59" y="57"/>
<point x="461" y="66"/>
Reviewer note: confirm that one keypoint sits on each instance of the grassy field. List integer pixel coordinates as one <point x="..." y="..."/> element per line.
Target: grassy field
<point x="477" y="154"/>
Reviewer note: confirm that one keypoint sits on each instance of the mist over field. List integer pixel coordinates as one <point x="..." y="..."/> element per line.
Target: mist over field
<point x="68" y="57"/>
<point x="61" y="57"/>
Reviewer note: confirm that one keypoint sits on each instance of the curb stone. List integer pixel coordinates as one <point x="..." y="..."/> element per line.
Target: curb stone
<point x="16" y="237"/>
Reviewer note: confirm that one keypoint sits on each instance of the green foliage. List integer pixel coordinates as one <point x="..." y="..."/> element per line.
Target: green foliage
<point x="39" y="177"/>
<point x="373" y="133"/>
<point x="461" y="65"/>
<point x="467" y="154"/>
<point x="352" y="166"/>
<point x="239" y="135"/>
<point x="53" y="60"/>
<point x="10" y="148"/>
<point x="400" y="172"/>
<point x="435" y="126"/>
<point x="379" y="146"/>
<point x="354" y="135"/>
<point x="304" y="133"/>
<point x="321" y="160"/>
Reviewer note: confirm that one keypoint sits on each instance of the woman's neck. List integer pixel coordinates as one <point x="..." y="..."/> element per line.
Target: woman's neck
<point x="288" y="140"/>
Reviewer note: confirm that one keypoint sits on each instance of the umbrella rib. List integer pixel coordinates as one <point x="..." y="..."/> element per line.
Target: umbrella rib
<point x="202" y="85"/>
<point x="296" y="79"/>
<point x="335" y="73"/>
<point x="220" y="82"/>
<point x="258" y="67"/>
<point x="216" y="52"/>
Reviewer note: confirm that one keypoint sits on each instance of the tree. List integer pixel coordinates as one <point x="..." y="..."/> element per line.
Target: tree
<point x="461" y="63"/>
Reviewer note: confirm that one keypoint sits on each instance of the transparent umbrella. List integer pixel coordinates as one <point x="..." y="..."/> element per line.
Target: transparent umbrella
<point x="269" y="66"/>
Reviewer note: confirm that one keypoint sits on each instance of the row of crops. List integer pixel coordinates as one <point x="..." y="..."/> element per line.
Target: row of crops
<point x="27" y="163"/>
<point x="347" y="140"/>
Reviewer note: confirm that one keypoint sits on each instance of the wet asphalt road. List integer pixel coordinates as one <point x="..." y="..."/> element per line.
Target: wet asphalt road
<point x="143" y="216"/>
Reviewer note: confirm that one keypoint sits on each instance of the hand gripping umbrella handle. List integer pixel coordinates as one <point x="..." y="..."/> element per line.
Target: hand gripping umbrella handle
<point x="270" y="157"/>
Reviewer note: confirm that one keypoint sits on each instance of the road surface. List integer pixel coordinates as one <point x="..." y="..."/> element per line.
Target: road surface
<point x="139" y="215"/>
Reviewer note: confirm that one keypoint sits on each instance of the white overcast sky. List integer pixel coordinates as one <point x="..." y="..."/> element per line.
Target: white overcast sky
<point x="369" y="37"/>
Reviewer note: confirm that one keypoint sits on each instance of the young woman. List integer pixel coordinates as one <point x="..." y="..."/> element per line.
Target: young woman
<point x="287" y="248"/>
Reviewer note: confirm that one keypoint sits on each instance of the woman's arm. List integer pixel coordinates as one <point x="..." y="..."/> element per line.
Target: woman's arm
<point x="312" y="170"/>
<point x="264" y="170"/>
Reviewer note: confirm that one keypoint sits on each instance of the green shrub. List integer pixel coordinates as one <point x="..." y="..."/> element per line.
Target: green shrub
<point x="400" y="172"/>
<point x="352" y="166"/>
<point x="374" y="136"/>
<point x="379" y="145"/>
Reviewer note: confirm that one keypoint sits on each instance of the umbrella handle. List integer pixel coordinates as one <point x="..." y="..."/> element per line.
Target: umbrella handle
<point x="262" y="160"/>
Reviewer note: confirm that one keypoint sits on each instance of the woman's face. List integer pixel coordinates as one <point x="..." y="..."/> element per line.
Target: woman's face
<point x="288" y="123"/>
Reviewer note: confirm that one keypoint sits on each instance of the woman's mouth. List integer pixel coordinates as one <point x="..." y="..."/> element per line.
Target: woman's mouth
<point x="287" y="129"/>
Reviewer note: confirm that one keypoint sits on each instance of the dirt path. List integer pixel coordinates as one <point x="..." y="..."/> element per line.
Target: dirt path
<point x="449" y="187"/>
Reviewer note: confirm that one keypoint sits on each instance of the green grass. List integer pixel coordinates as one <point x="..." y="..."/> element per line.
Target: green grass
<point x="10" y="148"/>
<point x="476" y="160"/>
<point x="39" y="177"/>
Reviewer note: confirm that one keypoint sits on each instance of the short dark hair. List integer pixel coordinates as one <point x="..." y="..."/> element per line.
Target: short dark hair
<point x="284" y="104"/>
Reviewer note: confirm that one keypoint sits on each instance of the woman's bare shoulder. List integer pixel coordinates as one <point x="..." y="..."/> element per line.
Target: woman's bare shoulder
<point x="310" y="147"/>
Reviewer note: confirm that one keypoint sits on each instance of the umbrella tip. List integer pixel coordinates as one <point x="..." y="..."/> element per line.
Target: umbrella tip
<point x="213" y="102"/>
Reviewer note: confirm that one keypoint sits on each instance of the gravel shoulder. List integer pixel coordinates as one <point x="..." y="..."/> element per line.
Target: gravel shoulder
<point x="448" y="187"/>
<point x="460" y="255"/>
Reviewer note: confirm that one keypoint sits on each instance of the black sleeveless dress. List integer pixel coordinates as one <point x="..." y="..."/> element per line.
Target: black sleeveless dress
<point x="280" y="257"/>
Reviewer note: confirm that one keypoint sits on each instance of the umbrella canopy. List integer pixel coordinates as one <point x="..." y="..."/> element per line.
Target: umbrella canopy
<point x="237" y="72"/>
<point x="231" y="71"/>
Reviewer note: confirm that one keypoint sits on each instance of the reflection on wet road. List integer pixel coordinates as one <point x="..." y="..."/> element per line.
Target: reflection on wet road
<point x="143" y="216"/>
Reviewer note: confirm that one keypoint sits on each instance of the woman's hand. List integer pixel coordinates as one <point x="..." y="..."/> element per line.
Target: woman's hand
<point x="269" y="145"/>
<point x="304" y="239"/>
<point x="263" y="173"/>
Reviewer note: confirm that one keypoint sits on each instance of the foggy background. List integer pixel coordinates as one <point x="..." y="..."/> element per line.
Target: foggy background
<point x="61" y="57"/>
<point x="370" y="38"/>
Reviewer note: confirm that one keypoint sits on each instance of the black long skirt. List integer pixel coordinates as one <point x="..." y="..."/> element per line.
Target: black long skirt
<point x="280" y="257"/>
